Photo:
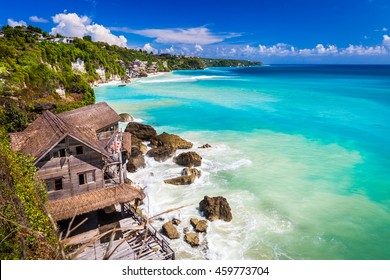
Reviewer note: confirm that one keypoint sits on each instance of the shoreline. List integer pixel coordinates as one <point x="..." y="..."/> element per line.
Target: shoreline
<point x="118" y="82"/>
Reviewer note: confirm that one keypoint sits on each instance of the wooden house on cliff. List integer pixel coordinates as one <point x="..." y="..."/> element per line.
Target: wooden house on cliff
<point x="79" y="155"/>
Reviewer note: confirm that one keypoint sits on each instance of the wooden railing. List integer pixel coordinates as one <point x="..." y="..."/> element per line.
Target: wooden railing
<point x="151" y="230"/>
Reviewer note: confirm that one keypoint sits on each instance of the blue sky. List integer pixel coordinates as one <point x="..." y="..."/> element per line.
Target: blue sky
<point x="277" y="31"/>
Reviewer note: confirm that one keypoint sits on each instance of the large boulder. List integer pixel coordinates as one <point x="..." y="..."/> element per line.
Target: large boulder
<point x="181" y="180"/>
<point x="192" y="238"/>
<point x="191" y="171"/>
<point x="126" y="117"/>
<point x="141" y="131"/>
<point x="194" y="222"/>
<point x="215" y="208"/>
<point x="170" y="230"/>
<point x="201" y="226"/>
<point x="135" y="162"/>
<point x="188" y="159"/>
<point x="161" y="153"/>
<point x="170" y="140"/>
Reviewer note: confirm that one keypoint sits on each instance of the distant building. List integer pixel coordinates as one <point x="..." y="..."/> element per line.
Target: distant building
<point x="65" y="40"/>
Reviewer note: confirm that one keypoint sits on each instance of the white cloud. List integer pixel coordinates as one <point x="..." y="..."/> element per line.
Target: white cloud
<point x="198" y="48"/>
<point x="14" y="23"/>
<point x="148" y="47"/>
<point x="38" y="19"/>
<point x="248" y="50"/>
<point x="363" y="50"/>
<point x="170" y="50"/>
<point x="101" y="34"/>
<point x="196" y="35"/>
<point x="386" y="40"/>
<point x="73" y="25"/>
<point x="384" y="29"/>
<point x="282" y="49"/>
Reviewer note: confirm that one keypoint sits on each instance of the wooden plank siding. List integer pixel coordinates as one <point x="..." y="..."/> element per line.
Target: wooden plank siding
<point x="68" y="168"/>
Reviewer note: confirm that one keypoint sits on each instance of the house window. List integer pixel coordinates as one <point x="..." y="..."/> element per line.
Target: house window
<point x="86" y="177"/>
<point x="54" y="184"/>
<point x="59" y="153"/>
<point x="79" y="150"/>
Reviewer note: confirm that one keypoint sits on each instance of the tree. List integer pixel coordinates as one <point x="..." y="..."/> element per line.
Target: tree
<point x="87" y="38"/>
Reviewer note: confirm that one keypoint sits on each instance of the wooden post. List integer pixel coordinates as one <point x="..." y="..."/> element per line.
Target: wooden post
<point x="122" y="210"/>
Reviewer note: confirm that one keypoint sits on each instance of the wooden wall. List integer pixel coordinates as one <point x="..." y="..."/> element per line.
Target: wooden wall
<point x="69" y="167"/>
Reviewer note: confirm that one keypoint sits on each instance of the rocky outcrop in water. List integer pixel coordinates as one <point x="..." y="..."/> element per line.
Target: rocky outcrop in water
<point x="205" y="146"/>
<point x="141" y="131"/>
<point x="191" y="171"/>
<point x="125" y="117"/>
<point x="192" y="238"/>
<point x="161" y="153"/>
<point x="181" y="180"/>
<point x="188" y="159"/>
<point x="199" y="225"/>
<point x="194" y="221"/>
<point x="170" y="230"/>
<point x="135" y="161"/>
<point x="216" y="208"/>
<point x="170" y="140"/>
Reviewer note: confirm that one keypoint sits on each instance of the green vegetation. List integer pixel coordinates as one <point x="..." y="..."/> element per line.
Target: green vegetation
<point x="215" y="62"/>
<point x="25" y="229"/>
<point x="33" y="69"/>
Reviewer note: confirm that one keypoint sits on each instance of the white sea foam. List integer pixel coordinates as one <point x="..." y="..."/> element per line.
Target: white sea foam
<point x="183" y="79"/>
<point x="223" y="240"/>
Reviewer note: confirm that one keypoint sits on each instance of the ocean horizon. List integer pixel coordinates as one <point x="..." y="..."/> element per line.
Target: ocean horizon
<point x="300" y="151"/>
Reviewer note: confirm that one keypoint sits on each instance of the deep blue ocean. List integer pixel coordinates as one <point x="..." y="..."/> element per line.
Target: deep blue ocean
<point x="301" y="152"/>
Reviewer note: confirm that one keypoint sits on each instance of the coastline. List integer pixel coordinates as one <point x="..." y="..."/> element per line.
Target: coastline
<point x="117" y="82"/>
<point x="266" y="164"/>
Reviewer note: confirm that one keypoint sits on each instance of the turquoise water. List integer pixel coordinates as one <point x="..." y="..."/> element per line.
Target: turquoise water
<point x="302" y="153"/>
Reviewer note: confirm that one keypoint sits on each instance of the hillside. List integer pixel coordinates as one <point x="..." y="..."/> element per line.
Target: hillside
<point x="36" y="70"/>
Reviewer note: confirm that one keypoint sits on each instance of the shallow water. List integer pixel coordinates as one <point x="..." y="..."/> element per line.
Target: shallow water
<point x="302" y="153"/>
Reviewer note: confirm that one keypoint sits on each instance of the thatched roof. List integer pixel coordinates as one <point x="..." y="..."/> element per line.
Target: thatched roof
<point x="96" y="116"/>
<point x="49" y="129"/>
<point x="66" y="208"/>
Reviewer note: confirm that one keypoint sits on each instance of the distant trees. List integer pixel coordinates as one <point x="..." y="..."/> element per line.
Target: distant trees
<point x="87" y="38"/>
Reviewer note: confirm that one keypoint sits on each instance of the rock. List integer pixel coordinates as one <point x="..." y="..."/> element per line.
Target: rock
<point x="40" y="107"/>
<point x="181" y="180"/>
<point x="170" y="140"/>
<point x="135" y="151"/>
<point x="191" y="171"/>
<point x="201" y="226"/>
<point x="185" y="230"/>
<point x="143" y="148"/>
<point x="192" y="238"/>
<point x="188" y="159"/>
<point x="135" y="163"/>
<point x="135" y="142"/>
<point x="170" y="230"/>
<point x="141" y="131"/>
<point x="205" y="146"/>
<point x="161" y="153"/>
<point x="194" y="222"/>
<point x="215" y="208"/>
<point x="176" y="222"/>
<point x="126" y="117"/>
